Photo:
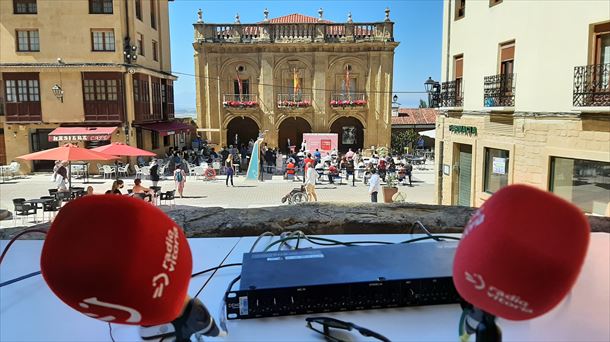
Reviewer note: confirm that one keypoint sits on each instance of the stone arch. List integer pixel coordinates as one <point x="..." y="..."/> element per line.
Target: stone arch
<point x="228" y="74"/>
<point x="358" y="116"/>
<point x="351" y="132"/>
<point x="292" y="127"/>
<point x="245" y="127"/>
<point x="282" y="76"/>
<point x="335" y="76"/>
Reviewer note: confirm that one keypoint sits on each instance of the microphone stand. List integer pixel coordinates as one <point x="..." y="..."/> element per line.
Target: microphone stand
<point x="487" y="330"/>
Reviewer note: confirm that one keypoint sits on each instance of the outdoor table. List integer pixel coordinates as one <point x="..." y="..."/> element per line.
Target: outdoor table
<point x="582" y="316"/>
<point x="38" y="203"/>
<point x="83" y="170"/>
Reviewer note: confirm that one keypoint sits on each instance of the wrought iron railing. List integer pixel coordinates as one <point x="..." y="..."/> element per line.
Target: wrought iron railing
<point x="499" y="90"/>
<point x="452" y="94"/>
<point x="348" y="100"/>
<point x="293" y="100"/>
<point x="240" y="101"/>
<point x="591" y="85"/>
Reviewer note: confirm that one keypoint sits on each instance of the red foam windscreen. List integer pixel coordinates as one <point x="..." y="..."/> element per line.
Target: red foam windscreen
<point x="521" y="253"/>
<point x="118" y="259"/>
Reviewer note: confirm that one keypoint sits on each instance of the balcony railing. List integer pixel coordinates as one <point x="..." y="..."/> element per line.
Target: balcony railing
<point x="295" y="32"/>
<point x="293" y="101"/>
<point x="499" y="91"/>
<point x="591" y="88"/>
<point x="348" y="100"/>
<point x="452" y="94"/>
<point x="240" y="101"/>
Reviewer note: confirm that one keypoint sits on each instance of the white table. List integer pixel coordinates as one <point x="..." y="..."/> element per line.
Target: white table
<point x="29" y="311"/>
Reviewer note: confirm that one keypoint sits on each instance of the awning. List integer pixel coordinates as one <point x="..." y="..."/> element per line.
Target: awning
<point x="168" y="128"/>
<point x="431" y="133"/>
<point x="81" y="133"/>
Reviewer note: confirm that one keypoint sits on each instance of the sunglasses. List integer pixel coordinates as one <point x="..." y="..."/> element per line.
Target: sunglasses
<point x="322" y="325"/>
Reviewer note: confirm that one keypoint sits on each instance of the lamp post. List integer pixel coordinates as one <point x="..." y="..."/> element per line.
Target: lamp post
<point x="433" y="88"/>
<point x="58" y="92"/>
<point x="130" y="52"/>
<point x="395" y="105"/>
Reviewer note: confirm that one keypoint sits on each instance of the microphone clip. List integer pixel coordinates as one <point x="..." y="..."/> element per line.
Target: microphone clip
<point x="195" y="320"/>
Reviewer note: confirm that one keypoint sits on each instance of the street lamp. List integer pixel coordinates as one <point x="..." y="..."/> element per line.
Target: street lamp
<point x="130" y="52"/>
<point x="58" y="92"/>
<point x="395" y="98"/>
<point x="433" y="89"/>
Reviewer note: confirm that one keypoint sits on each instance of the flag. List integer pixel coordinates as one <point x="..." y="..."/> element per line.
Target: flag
<point x="239" y="85"/>
<point x="296" y="86"/>
<point x="347" y="85"/>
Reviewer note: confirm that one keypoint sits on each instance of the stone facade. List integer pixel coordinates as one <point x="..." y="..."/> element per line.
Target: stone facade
<point x="67" y="54"/>
<point x="517" y="107"/>
<point x="270" y="55"/>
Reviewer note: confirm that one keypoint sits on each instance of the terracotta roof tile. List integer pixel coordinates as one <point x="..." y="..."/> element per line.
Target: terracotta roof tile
<point x="296" y="18"/>
<point x="415" y="116"/>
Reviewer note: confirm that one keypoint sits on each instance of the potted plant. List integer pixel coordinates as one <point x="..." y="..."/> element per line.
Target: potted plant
<point x="390" y="188"/>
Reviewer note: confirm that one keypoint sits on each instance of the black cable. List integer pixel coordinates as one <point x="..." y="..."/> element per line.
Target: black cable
<point x="214" y="269"/>
<point x="110" y="331"/>
<point x="431" y="237"/>
<point x="231" y="284"/>
<point x="219" y="266"/>
<point x="421" y="225"/>
<point x="33" y="230"/>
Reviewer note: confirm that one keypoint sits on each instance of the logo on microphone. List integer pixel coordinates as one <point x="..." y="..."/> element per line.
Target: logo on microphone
<point x="475" y="221"/>
<point x="134" y="315"/>
<point x="170" y="259"/>
<point x="510" y="300"/>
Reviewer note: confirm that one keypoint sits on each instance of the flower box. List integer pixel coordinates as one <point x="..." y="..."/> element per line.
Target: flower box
<point x="294" y="104"/>
<point x="348" y="103"/>
<point x="240" y="104"/>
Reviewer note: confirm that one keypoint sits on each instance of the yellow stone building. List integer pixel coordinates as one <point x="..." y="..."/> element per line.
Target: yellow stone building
<point x="295" y="74"/>
<point x="86" y="71"/>
<point x="526" y="101"/>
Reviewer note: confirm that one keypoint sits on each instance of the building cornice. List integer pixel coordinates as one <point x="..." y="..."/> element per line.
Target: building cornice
<point x="18" y="67"/>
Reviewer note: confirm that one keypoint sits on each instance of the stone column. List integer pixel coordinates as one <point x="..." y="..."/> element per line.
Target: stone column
<point x="319" y="95"/>
<point x="266" y="97"/>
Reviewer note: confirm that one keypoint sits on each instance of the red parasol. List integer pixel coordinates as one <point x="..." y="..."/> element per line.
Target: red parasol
<point x="67" y="152"/>
<point x="124" y="150"/>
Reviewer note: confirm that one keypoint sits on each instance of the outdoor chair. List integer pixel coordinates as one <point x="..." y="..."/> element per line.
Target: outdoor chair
<point x="100" y="169"/>
<point x="138" y="170"/>
<point x="52" y="192"/>
<point x="168" y="196"/>
<point x="199" y="171"/>
<point x="14" y="168"/>
<point x="191" y="168"/>
<point x="145" y="172"/>
<point x="123" y="170"/>
<point x="161" y="171"/>
<point x="23" y="210"/>
<point x="63" y="196"/>
<point x="108" y="171"/>
<point x="51" y="207"/>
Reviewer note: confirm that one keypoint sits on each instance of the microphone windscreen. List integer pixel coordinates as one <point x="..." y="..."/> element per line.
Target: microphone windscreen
<point x="521" y="253"/>
<point x="118" y="259"/>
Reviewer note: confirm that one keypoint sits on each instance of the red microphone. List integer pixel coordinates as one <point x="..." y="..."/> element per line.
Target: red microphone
<point x="118" y="259"/>
<point x="521" y="253"/>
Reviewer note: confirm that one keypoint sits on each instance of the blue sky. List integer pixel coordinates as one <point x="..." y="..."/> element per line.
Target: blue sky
<point x="418" y="28"/>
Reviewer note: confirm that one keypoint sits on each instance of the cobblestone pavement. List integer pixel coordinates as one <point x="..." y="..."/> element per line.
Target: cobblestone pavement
<point x="215" y="194"/>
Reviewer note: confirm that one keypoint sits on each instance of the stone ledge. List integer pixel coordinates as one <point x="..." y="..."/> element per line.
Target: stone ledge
<point x="318" y="219"/>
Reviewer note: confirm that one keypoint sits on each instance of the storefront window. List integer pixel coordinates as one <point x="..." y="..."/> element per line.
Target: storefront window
<point x="585" y="183"/>
<point x="496" y="169"/>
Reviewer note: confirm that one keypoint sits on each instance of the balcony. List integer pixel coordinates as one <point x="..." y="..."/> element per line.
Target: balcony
<point x="321" y="32"/>
<point x="452" y="94"/>
<point x="238" y="101"/>
<point x="293" y="101"/>
<point x="499" y="90"/>
<point x="591" y="88"/>
<point x="348" y="100"/>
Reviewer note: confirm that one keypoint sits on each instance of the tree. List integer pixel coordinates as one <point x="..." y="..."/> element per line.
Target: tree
<point x="402" y="139"/>
<point x="423" y="104"/>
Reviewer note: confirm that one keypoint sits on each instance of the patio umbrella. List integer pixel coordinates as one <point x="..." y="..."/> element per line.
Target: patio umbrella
<point x="67" y="152"/>
<point x="122" y="150"/>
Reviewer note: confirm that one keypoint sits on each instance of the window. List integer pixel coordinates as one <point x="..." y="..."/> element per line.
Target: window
<point x="22" y="97"/>
<point x="494" y="2"/>
<point x="167" y="98"/>
<point x="141" y="96"/>
<point x="154" y="136"/>
<point x="140" y="39"/>
<point x="100" y="6"/>
<point x="154" y="51"/>
<point x="139" y="9"/>
<point x="458" y="71"/>
<point x="28" y="40"/>
<point x="507" y="58"/>
<point x="244" y="91"/>
<point x="601" y="48"/>
<point x="496" y="169"/>
<point x="582" y="182"/>
<point x="24" y="7"/>
<point x="102" y="40"/>
<point x="153" y="14"/>
<point x="460" y="9"/>
<point x="102" y="96"/>
<point x="139" y="138"/>
<point x="166" y="140"/>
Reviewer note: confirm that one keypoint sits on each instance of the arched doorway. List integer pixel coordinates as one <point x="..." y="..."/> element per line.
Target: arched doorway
<point x="350" y="131"/>
<point x="245" y="129"/>
<point x="293" y="129"/>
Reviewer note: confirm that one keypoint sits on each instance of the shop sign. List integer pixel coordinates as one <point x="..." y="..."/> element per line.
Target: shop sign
<point x="468" y="130"/>
<point x="68" y="137"/>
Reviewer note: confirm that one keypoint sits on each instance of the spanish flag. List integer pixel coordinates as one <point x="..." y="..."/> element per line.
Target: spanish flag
<point x="296" y="86"/>
<point x="347" y="85"/>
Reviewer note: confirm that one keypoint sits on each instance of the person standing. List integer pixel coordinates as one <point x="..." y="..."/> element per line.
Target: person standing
<point x="374" y="185"/>
<point x="154" y="172"/>
<point x="409" y="171"/>
<point x="61" y="177"/>
<point x="180" y="179"/>
<point x="310" y="183"/>
<point x="229" y="169"/>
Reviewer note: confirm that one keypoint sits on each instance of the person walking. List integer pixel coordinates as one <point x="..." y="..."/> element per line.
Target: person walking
<point x="229" y="169"/>
<point x="374" y="185"/>
<point x="409" y="171"/>
<point x="310" y="183"/>
<point x="180" y="179"/>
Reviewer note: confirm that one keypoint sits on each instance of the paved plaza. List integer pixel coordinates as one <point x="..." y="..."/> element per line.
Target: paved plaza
<point x="202" y="193"/>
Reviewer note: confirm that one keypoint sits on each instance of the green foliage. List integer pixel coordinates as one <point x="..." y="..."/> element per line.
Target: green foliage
<point x="391" y="181"/>
<point x="382" y="151"/>
<point x="402" y="139"/>
<point x="423" y="104"/>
